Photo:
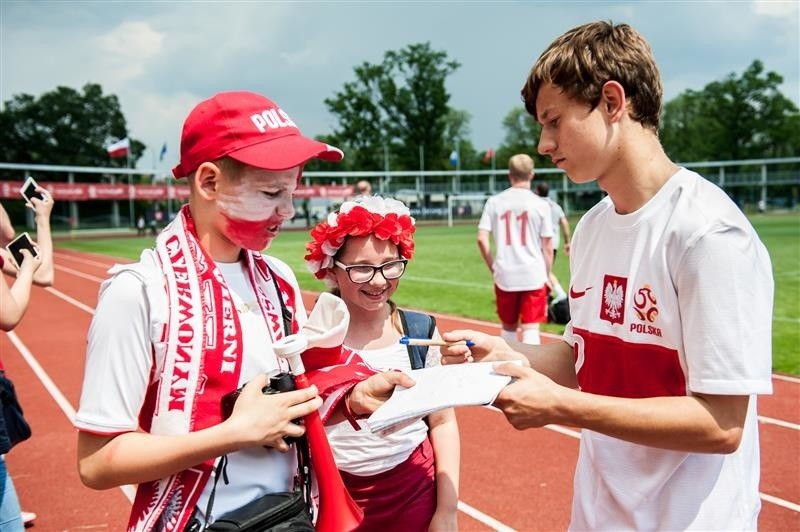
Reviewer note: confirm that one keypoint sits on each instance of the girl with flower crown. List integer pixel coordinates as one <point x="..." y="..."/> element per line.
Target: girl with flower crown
<point x="407" y="480"/>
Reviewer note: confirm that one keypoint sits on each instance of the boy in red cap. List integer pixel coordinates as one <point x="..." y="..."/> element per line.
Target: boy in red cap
<point x="671" y="303"/>
<point x="195" y="319"/>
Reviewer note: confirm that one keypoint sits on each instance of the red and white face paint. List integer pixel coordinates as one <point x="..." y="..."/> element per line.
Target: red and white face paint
<point x="254" y="207"/>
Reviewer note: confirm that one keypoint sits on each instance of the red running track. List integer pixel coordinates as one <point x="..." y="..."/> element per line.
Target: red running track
<point x="509" y="479"/>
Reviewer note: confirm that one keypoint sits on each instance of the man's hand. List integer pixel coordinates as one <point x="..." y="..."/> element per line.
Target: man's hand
<point x="531" y="398"/>
<point x="267" y="419"/>
<point x="486" y="348"/>
<point x="369" y="394"/>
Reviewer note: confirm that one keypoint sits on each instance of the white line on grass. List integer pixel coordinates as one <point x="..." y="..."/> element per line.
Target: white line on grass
<point x="54" y="392"/>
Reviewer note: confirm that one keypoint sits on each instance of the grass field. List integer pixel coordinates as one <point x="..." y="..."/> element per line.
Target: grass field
<point x="448" y="276"/>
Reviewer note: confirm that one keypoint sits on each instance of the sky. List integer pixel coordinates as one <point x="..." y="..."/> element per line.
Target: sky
<point x="163" y="57"/>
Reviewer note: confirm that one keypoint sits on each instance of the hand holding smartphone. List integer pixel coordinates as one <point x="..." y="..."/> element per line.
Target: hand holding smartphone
<point x="29" y="191"/>
<point x="15" y="247"/>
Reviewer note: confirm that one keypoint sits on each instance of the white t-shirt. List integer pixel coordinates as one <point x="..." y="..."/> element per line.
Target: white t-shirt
<point x="119" y="360"/>
<point x="671" y="300"/>
<point x="364" y="453"/>
<point x="518" y="220"/>
<point x="556" y="213"/>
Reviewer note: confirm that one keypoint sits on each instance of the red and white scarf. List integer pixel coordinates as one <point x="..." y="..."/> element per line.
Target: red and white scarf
<point x="202" y="363"/>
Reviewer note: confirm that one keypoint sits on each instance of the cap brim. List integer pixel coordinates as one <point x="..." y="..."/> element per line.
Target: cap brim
<point x="286" y="152"/>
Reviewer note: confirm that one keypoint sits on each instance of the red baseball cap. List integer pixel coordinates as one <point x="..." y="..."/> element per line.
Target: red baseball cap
<point x="247" y="127"/>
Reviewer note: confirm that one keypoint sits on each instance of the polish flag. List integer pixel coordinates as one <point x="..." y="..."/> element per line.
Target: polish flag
<point x="119" y="148"/>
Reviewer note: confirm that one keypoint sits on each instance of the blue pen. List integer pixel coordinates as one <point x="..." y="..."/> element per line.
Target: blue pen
<point x="405" y="340"/>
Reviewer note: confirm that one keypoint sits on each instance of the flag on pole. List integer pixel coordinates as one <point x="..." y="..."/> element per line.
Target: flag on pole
<point x="454" y="158"/>
<point x="163" y="152"/>
<point x="119" y="148"/>
<point x="487" y="158"/>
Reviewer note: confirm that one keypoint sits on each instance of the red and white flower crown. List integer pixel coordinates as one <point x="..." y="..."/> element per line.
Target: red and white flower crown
<point x="386" y="218"/>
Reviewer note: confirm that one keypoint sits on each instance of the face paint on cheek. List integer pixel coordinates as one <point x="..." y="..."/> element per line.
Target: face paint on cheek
<point x="250" y="234"/>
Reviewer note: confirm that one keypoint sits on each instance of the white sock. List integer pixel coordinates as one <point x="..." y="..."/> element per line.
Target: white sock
<point x="558" y="292"/>
<point x="508" y="336"/>
<point x="530" y="334"/>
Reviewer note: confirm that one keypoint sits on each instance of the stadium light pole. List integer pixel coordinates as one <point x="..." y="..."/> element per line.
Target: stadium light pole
<point x="130" y="187"/>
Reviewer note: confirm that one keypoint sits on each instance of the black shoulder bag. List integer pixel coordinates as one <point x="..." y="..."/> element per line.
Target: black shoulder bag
<point x="13" y="427"/>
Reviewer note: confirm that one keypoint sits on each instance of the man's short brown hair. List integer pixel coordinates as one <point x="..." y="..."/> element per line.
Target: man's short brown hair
<point x="582" y="60"/>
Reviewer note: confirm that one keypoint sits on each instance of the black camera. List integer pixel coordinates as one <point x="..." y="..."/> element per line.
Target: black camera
<point x="278" y="383"/>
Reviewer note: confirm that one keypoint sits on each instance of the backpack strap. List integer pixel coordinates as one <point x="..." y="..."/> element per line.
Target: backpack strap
<point x="417" y="325"/>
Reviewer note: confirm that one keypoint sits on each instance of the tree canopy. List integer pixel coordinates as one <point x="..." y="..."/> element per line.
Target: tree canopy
<point x="64" y="127"/>
<point x="401" y="104"/>
<point x="744" y="117"/>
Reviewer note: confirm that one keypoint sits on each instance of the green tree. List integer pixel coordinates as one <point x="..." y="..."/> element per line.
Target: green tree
<point x="743" y="117"/>
<point x="522" y="136"/>
<point x="400" y="103"/>
<point x="64" y="127"/>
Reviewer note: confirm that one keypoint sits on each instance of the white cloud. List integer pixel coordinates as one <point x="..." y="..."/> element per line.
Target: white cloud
<point x="776" y="8"/>
<point x="125" y="51"/>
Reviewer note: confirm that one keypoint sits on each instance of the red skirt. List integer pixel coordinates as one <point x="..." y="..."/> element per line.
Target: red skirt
<point x="402" y="498"/>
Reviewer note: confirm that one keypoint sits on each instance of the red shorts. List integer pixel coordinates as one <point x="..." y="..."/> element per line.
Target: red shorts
<point x="527" y="306"/>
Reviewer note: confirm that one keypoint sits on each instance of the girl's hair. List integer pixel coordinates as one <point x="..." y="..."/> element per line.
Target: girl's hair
<point x="385" y="219"/>
<point x="582" y="60"/>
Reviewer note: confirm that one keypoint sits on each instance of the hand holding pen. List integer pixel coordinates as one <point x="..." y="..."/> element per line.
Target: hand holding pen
<point x="405" y="340"/>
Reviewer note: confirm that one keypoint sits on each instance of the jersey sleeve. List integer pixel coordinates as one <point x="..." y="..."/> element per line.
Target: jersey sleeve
<point x="485" y="222"/>
<point x="118" y="359"/>
<point x="725" y="293"/>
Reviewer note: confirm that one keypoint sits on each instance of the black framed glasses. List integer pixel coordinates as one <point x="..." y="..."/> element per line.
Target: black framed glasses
<point x="363" y="273"/>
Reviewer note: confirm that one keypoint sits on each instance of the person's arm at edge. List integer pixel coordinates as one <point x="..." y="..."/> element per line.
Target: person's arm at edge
<point x="565" y="232"/>
<point x="485" y="248"/>
<point x="16" y="297"/>
<point x="45" y="275"/>
<point x="547" y="253"/>
<point x="443" y="432"/>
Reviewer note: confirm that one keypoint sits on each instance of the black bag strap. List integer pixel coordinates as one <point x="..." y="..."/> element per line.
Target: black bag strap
<point x="417" y="325"/>
<point x="286" y="314"/>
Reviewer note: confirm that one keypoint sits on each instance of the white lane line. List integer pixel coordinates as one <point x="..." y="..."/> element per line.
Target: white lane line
<point x="483" y="518"/>
<point x="81" y="260"/>
<point x="55" y="392"/>
<point x="70" y="300"/>
<point x="779" y="422"/>
<point x="787" y="378"/>
<point x="780" y="502"/>
<point x="78" y="274"/>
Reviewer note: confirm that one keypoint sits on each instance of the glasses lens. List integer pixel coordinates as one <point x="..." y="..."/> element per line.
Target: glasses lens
<point x="393" y="270"/>
<point x="360" y="274"/>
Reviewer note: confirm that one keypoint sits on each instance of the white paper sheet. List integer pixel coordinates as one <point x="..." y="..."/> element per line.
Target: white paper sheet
<point x="437" y="388"/>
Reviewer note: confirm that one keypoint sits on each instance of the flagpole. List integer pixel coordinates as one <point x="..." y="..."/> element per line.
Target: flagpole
<point x="130" y="186"/>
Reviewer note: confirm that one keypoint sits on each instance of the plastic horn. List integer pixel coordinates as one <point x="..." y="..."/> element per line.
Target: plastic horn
<point x="338" y="512"/>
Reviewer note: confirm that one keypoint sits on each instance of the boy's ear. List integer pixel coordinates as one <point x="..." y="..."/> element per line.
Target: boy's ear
<point x="613" y="100"/>
<point x="206" y="180"/>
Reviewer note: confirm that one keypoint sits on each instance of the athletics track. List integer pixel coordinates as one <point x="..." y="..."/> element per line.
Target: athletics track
<point x="509" y="479"/>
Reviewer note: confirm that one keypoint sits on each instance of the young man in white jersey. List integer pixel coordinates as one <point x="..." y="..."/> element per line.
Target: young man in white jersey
<point x="194" y="320"/>
<point x="519" y="223"/>
<point x="671" y="301"/>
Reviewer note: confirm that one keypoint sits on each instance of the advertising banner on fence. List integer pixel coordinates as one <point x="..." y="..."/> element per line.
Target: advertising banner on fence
<point x="106" y="191"/>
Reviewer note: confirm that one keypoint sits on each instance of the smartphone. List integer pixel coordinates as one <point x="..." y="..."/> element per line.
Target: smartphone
<point x="16" y="246"/>
<point x="29" y="191"/>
